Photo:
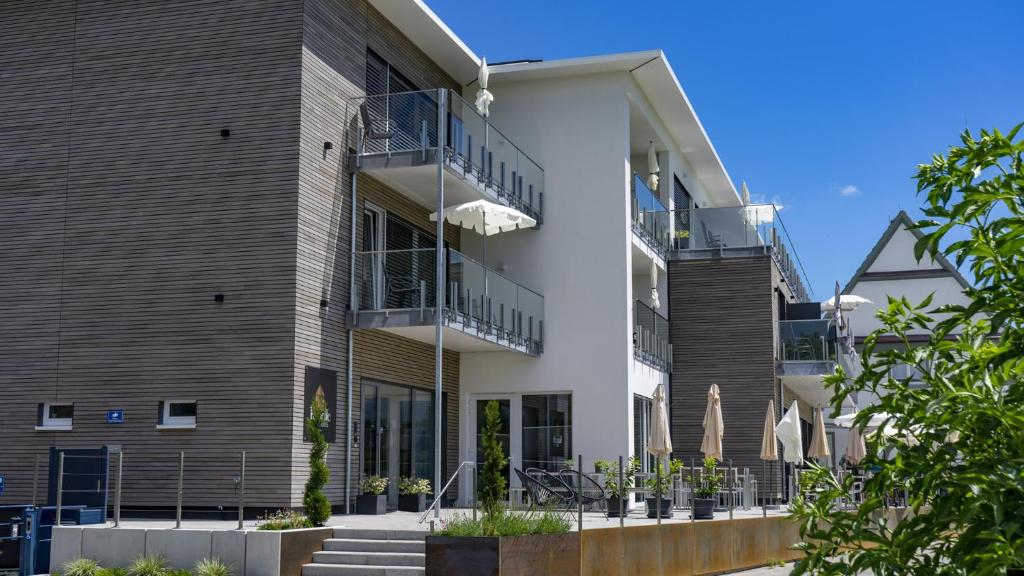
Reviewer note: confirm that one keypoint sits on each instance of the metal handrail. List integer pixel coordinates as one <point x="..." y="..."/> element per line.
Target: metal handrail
<point x="437" y="497"/>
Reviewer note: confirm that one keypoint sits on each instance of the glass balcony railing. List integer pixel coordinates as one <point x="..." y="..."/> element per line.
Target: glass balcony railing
<point x="650" y="217"/>
<point x="406" y="123"/>
<point x="807" y="341"/>
<point x="741" y="228"/>
<point x="477" y="299"/>
<point x="651" y="337"/>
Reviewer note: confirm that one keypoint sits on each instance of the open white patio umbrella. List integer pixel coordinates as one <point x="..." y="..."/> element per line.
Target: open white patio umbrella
<point x="714" y="427"/>
<point x="876" y="420"/>
<point x="848" y="302"/>
<point x="653" y="170"/>
<point x="659" y="442"/>
<point x="486" y="218"/>
<point x="483" y="96"/>
<point x="855" y="449"/>
<point x="819" y="440"/>
<point x="788" y="431"/>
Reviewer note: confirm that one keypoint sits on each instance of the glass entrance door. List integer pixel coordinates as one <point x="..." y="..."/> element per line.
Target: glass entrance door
<point x="398" y="428"/>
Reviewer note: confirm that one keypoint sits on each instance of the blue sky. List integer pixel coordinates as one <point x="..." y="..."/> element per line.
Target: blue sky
<point x="824" y="107"/>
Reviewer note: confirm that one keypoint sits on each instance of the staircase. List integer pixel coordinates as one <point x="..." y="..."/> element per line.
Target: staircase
<point x="356" y="552"/>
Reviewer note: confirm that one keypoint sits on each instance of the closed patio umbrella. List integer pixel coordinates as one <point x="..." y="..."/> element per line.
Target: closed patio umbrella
<point x="769" y="445"/>
<point x="655" y="298"/>
<point x="855" y="449"/>
<point x="819" y="441"/>
<point x="659" y="443"/>
<point x="483" y="97"/>
<point x="788" y="431"/>
<point x="714" y="428"/>
<point x="653" y="170"/>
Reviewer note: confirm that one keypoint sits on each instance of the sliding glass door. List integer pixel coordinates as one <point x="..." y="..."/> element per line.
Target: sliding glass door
<point x="398" y="432"/>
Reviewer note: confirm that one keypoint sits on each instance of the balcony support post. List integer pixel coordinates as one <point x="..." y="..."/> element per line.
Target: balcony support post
<point x="352" y="303"/>
<point x="442" y="96"/>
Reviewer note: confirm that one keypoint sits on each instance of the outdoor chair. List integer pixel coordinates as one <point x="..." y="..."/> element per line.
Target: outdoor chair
<point x="590" y="491"/>
<point x="710" y="240"/>
<point x="542" y="494"/>
<point x="373" y="128"/>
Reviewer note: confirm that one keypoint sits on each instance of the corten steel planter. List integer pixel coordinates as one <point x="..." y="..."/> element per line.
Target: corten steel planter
<point x="412" y="502"/>
<point x="703" y="508"/>
<point x="666" y="508"/>
<point x="536" y="555"/>
<point x="371" y="504"/>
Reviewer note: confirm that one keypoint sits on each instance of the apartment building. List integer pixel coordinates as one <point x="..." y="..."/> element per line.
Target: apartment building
<point x="212" y="215"/>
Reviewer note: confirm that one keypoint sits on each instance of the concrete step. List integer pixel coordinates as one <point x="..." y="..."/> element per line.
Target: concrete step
<point x="357" y="570"/>
<point x="368" y="534"/>
<point x="370" y="558"/>
<point x="372" y="545"/>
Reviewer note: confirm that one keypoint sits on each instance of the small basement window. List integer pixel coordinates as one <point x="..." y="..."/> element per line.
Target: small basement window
<point x="178" y="414"/>
<point x="55" y="416"/>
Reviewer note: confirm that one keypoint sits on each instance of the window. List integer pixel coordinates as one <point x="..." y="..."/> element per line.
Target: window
<point x="178" y="414"/>
<point x="55" y="416"/>
<point x="547" y="431"/>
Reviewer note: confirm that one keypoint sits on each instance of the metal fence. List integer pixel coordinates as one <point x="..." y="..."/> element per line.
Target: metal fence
<point x="651" y="337"/>
<point x="651" y="220"/>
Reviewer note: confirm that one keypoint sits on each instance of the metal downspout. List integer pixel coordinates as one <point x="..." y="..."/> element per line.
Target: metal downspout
<point x="348" y="354"/>
<point x="439" y="290"/>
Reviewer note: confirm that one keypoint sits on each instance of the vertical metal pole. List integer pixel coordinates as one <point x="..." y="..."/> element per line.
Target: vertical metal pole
<point x="181" y="487"/>
<point x="657" y="489"/>
<point x="349" y="347"/>
<point x="579" y="492"/>
<point x="732" y="487"/>
<point x="693" y="492"/>
<point x="475" y="484"/>
<point x="764" y="496"/>
<point x="442" y="117"/>
<point x="35" y="481"/>
<point x="621" y="494"/>
<point x="60" y="484"/>
<point x="117" y="495"/>
<point x="241" y="493"/>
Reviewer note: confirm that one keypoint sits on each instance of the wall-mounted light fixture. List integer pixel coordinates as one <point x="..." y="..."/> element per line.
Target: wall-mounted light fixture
<point x="323" y="303"/>
<point x="328" y="145"/>
<point x="218" y="298"/>
<point x="224" y="132"/>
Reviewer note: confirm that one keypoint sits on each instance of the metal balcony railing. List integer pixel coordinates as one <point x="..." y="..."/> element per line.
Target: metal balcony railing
<point x="741" y="228"/>
<point x="406" y="123"/>
<point x="651" y="337"/>
<point x="650" y="217"/>
<point x="477" y="299"/>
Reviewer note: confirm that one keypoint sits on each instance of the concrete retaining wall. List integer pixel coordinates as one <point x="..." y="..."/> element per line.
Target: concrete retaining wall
<point x="252" y="552"/>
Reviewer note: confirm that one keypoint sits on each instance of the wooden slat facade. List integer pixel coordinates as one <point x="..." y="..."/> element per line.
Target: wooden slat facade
<point x="123" y="211"/>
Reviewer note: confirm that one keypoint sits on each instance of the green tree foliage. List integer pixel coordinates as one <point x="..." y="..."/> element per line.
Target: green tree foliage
<point x="492" y="475"/>
<point x="318" y="508"/>
<point x="956" y="446"/>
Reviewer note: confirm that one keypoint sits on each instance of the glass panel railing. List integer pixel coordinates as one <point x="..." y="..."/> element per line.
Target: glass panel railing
<point x="392" y="123"/>
<point x="651" y="336"/>
<point x="485" y="153"/>
<point x="807" y="341"/>
<point x="478" y="298"/>
<point x="650" y="217"/>
<point x="741" y="227"/>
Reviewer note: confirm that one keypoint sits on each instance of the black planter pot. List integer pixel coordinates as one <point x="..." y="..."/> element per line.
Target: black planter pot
<point x="666" y="508"/>
<point x="371" y="504"/>
<point x="703" y="508"/>
<point x="412" y="502"/>
<point x="613" y="507"/>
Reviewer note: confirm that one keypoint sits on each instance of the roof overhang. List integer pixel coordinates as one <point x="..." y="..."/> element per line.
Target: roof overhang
<point x="420" y="25"/>
<point x="653" y="73"/>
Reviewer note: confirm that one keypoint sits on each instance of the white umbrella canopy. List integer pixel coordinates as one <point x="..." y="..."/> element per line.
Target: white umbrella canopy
<point x="652" y="167"/>
<point x="769" y="441"/>
<point x="714" y="427"/>
<point x="855" y="449"/>
<point x="847" y="302"/>
<point x="483" y="97"/>
<point x="486" y="218"/>
<point x="819" y="443"/>
<point x="659" y="441"/>
<point x="788" y="430"/>
<point x="655" y="298"/>
<point x="876" y="420"/>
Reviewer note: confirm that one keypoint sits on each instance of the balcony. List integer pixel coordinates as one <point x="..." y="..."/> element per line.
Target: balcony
<point x="394" y="138"/>
<point x="739" y="231"/>
<point x="650" y="218"/>
<point x="807" y="351"/>
<point x="651" y="337"/>
<point x="483" y="311"/>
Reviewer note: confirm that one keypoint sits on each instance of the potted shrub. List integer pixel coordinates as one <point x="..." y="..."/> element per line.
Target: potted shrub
<point x="372" y="500"/>
<point x="705" y="489"/>
<point x="412" y="494"/>
<point x="666" y="481"/>
<point x="617" y="495"/>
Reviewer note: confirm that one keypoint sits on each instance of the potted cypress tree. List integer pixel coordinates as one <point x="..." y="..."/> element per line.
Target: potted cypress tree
<point x="665" y="481"/>
<point x="412" y="494"/>
<point x="372" y="500"/>
<point x="705" y="489"/>
<point x="616" y="492"/>
<point x="318" y="507"/>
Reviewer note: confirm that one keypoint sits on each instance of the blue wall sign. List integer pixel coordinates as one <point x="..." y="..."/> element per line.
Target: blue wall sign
<point x="3" y="483"/>
<point x="115" y="416"/>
